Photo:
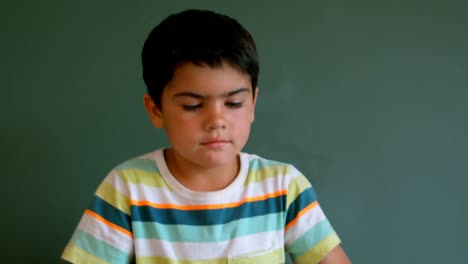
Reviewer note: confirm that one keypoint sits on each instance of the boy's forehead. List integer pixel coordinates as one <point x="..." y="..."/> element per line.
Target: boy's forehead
<point x="199" y="67"/>
<point x="217" y="94"/>
<point x="223" y="80"/>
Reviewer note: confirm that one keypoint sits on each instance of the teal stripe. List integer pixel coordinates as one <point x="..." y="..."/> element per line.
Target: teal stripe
<point x="99" y="248"/>
<point x="139" y="164"/>
<point x="213" y="233"/>
<point x="207" y="217"/>
<point x="304" y="199"/>
<point x="310" y="238"/>
<point x="110" y="213"/>
<point x="259" y="163"/>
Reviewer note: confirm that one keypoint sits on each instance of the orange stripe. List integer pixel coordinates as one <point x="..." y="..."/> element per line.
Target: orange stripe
<point x="305" y="210"/>
<point x="106" y="222"/>
<point x="210" y="206"/>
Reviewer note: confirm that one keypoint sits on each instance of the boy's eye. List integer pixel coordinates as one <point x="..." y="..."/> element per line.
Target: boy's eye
<point x="191" y="107"/>
<point x="234" y="104"/>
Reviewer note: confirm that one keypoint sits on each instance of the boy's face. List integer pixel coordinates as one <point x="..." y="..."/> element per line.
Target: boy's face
<point x="207" y="114"/>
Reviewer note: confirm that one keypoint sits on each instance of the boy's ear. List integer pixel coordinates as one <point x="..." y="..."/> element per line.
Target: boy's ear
<point x="154" y="113"/>
<point x="254" y="102"/>
<point x="256" y="95"/>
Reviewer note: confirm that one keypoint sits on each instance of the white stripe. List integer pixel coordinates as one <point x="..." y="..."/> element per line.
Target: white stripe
<point x="197" y="251"/>
<point x="115" y="180"/>
<point x="270" y="185"/>
<point x="161" y="195"/>
<point x="105" y="233"/>
<point x="304" y="223"/>
<point x="141" y="192"/>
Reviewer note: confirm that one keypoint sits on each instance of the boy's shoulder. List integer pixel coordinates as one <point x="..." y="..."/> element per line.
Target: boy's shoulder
<point x="152" y="161"/>
<point x="144" y="169"/>
<point x="257" y="168"/>
<point x="263" y="168"/>
<point x="149" y="161"/>
<point x="145" y="162"/>
<point x="256" y="162"/>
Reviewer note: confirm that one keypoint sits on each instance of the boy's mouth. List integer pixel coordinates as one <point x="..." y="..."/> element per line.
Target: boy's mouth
<point x="215" y="143"/>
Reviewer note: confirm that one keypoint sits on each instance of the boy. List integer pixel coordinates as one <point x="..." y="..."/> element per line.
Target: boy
<point x="202" y="200"/>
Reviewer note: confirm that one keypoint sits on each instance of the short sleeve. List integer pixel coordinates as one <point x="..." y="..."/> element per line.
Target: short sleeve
<point x="309" y="235"/>
<point x="104" y="233"/>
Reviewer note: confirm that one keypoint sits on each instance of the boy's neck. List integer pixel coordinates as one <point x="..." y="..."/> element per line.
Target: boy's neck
<point x="198" y="178"/>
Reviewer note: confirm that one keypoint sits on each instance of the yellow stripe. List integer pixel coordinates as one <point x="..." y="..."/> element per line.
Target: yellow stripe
<point x="275" y="256"/>
<point x="161" y="260"/>
<point x="109" y="224"/>
<point x="111" y="195"/>
<point x="269" y="257"/>
<point x="209" y="206"/>
<point x="74" y="254"/>
<point x="148" y="178"/>
<point x="264" y="173"/>
<point x="319" y="251"/>
<point x="296" y="187"/>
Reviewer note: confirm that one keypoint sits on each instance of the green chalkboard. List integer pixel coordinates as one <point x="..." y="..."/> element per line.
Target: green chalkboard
<point x="369" y="99"/>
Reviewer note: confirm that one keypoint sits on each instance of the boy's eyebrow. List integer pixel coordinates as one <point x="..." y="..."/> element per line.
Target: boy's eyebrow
<point x="199" y="96"/>
<point x="240" y="90"/>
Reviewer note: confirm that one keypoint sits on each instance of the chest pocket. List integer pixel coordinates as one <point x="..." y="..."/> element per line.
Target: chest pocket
<point x="275" y="256"/>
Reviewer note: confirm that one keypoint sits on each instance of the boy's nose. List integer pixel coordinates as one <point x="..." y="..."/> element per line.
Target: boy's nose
<point x="215" y="118"/>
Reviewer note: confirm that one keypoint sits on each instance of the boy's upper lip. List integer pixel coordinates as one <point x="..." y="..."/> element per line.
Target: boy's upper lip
<point x="214" y="140"/>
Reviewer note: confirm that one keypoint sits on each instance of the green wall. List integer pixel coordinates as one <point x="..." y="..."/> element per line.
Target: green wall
<point x="368" y="98"/>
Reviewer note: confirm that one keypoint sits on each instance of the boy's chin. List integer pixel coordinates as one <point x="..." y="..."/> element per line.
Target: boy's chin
<point x="217" y="161"/>
<point x="210" y="159"/>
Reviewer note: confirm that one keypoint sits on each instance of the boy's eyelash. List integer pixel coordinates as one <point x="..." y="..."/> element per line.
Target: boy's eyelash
<point x="191" y="107"/>
<point x="235" y="104"/>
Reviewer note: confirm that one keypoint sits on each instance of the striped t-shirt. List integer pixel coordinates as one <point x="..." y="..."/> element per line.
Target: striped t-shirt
<point x="142" y="214"/>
